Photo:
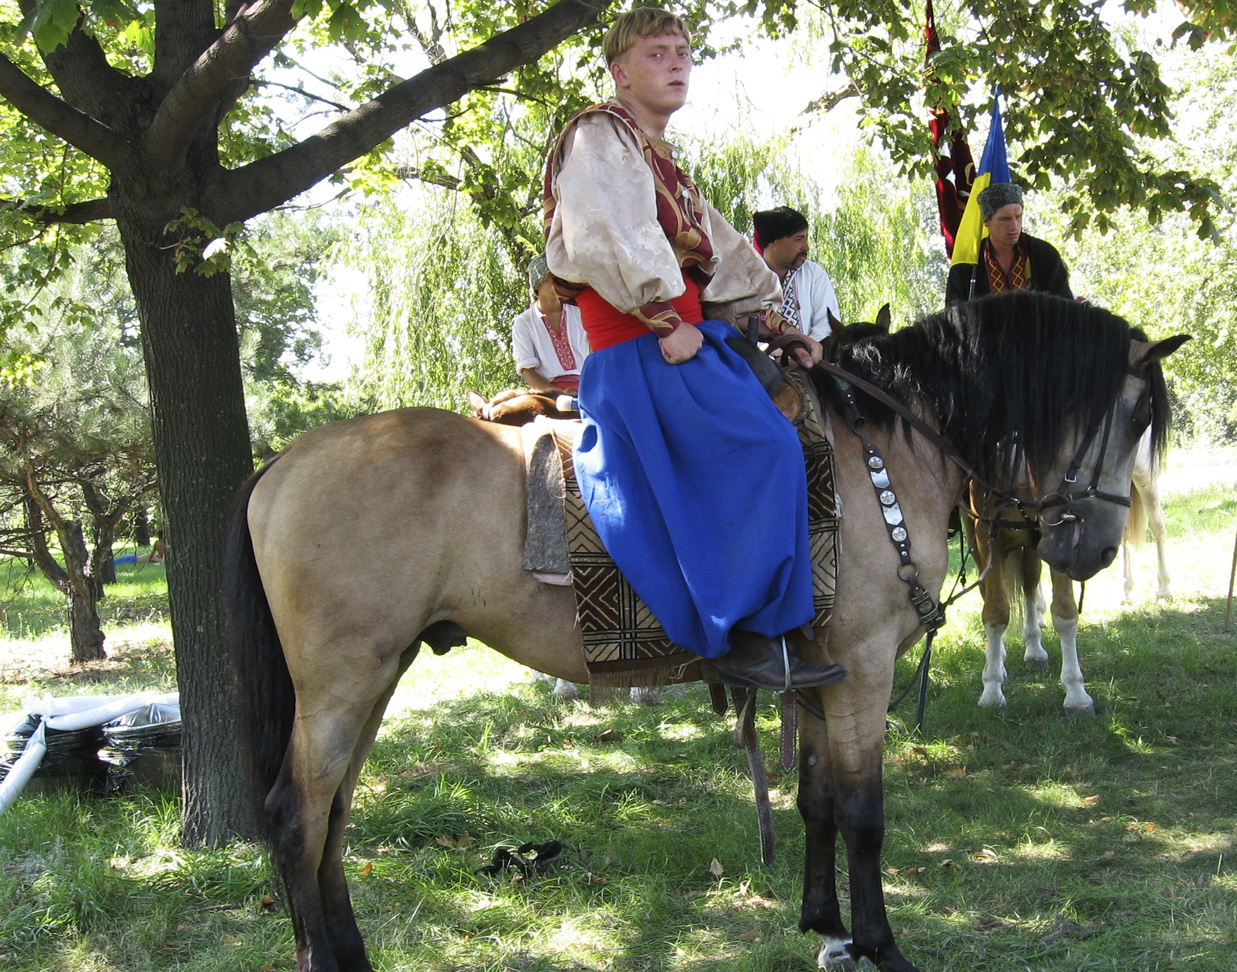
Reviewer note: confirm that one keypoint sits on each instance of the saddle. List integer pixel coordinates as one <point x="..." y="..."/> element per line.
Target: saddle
<point x="624" y="644"/>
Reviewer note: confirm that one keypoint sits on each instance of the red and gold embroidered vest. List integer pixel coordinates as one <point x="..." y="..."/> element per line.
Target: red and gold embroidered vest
<point x="680" y="212"/>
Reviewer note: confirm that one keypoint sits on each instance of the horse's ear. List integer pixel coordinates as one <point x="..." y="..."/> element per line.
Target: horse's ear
<point x="1144" y="352"/>
<point x="477" y="402"/>
<point x="883" y="318"/>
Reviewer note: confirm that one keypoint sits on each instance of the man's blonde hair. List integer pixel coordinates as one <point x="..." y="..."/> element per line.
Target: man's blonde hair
<point x="637" y="24"/>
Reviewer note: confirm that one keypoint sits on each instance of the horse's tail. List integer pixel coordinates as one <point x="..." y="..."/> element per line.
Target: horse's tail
<point x="265" y="698"/>
<point x="1136" y="522"/>
<point x="1013" y="578"/>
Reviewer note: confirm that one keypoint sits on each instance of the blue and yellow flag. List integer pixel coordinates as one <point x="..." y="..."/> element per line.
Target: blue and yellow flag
<point x="993" y="167"/>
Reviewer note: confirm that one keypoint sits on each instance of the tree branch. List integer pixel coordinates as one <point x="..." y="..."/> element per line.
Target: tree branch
<point x="40" y="553"/>
<point x="50" y="113"/>
<point x="268" y="182"/>
<point x="203" y="92"/>
<point x="85" y="78"/>
<point x="77" y="214"/>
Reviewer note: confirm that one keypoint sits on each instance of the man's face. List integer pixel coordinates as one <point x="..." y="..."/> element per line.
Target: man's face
<point x="653" y="73"/>
<point x="788" y="253"/>
<point x="547" y="297"/>
<point x="1005" y="225"/>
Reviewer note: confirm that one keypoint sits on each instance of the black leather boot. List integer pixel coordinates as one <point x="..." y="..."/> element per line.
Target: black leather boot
<point x="761" y="661"/>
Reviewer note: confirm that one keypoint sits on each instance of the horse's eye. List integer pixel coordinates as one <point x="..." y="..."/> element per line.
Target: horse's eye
<point x="1140" y="418"/>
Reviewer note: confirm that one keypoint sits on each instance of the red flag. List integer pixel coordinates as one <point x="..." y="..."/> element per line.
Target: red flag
<point x="955" y="169"/>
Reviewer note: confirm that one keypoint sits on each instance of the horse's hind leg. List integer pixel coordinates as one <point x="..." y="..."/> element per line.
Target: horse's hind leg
<point x="1159" y="532"/>
<point x="310" y="805"/>
<point x="1033" y="654"/>
<point x="1128" y="573"/>
<point x="1065" y="623"/>
<point x="346" y="938"/>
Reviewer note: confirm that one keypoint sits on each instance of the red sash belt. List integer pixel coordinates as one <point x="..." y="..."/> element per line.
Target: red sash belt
<point x="607" y="326"/>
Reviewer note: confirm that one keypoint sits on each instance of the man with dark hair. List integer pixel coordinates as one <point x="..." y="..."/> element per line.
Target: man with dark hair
<point x="678" y="434"/>
<point x="808" y="298"/>
<point x="1009" y="259"/>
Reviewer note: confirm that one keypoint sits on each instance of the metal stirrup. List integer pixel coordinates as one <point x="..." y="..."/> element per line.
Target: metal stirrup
<point x="785" y="665"/>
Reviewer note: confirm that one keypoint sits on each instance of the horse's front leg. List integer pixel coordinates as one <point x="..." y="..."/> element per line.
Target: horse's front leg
<point x="856" y="709"/>
<point x="1065" y="623"/>
<point x="821" y="911"/>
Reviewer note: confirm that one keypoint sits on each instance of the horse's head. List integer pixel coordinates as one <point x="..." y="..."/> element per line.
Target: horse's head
<point x="1085" y="492"/>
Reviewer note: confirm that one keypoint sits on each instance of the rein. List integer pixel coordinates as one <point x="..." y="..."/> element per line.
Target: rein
<point x="845" y="379"/>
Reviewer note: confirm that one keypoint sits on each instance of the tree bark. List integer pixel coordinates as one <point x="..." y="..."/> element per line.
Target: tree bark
<point x="203" y="454"/>
<point x="82" y="594"/>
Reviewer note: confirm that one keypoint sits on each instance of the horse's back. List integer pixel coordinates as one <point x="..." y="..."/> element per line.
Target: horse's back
<point x="356" y="515"/>
<point x="407" y="466"/>
<point x="368" y="531"/>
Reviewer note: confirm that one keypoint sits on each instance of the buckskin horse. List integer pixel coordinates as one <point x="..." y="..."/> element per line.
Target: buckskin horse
<point x="367" y="538"/>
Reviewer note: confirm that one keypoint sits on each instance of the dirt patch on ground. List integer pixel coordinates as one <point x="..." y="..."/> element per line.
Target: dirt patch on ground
<point x="23" y="662"/>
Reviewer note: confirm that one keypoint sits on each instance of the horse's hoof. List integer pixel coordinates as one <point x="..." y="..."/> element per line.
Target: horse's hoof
<point x="1080" y="710"/>
<point x="1037" y="664"/>
<point x="835" y="956"/>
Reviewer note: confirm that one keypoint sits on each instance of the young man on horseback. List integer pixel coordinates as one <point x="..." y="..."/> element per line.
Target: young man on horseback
<point x="694" y="481"/>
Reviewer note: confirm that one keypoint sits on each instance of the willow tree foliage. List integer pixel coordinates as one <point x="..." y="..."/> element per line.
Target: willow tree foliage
<point x="442" y="289"/>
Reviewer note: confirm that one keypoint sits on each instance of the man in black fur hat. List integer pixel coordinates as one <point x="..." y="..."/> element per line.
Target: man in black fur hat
<point x="808" y="298"/>
<point x="1009" y="259"/>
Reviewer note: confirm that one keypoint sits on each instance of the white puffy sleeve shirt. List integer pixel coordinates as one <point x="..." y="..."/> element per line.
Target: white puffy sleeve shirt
<point x="605" y="234"/>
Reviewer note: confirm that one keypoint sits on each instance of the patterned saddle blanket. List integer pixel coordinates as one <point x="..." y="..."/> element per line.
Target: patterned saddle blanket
<point x="624" y="644"/>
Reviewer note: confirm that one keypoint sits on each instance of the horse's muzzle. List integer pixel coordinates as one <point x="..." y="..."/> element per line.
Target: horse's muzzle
<point x="1078" y="547"/>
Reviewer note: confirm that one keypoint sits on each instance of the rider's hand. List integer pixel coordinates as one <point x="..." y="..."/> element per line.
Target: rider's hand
<point x="681" y="344"/>
<point x="806" y="357"/>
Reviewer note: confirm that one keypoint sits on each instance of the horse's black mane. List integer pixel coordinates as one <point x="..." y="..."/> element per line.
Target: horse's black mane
<point x="1020" y="362"/>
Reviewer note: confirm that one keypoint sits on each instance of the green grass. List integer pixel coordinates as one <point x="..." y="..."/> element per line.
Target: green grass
<point x="34" y="642"/>
<point x="1019" y="839"/>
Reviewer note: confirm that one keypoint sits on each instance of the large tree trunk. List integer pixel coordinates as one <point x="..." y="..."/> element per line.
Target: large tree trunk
<point x="202" y="453"/>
